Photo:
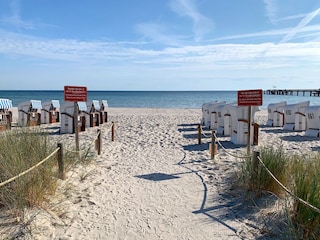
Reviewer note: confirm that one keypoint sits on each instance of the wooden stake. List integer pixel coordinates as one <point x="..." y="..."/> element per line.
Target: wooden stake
<point x="249" y="131"/>
<point x="112" y="132"/>
<point x="213" y="141"/>
<point x="255" y="165"/>
<point x="76" y="129"/>
<point x="199" y="134"/>
<point x="99" y="141"/>
<point x="61" y="162"/>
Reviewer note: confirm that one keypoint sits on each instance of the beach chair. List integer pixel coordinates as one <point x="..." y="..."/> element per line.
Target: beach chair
<point x="214" y="116"/>
<point x="67" y="117"/>
<point x="29" y="113"/>
<point x="276" y="114"/>
<point x="205" y="113"/>
<point x="240" y="123"/>
<point x="224" y="119"/>
<point x="93" y="114"/>
<point x="313" y="121"/>
<point x="5" y="114"/>
<point x="290" y="113"/>
<point x="103" y="111"/>
<point x="50" y="112"/>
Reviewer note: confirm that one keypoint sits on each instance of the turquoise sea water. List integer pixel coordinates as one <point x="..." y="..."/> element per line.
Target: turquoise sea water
<point x="154" y="99"/>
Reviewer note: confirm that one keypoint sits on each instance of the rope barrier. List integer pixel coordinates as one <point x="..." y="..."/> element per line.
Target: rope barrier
<point x="86" y="149"/>
<point x="30" y="169"/>
<point x="287" y="190"/>
<point x="223" y="148"/>
<point x="108" y="131"/>
<point x="203" y="132"/>
<point x="232" y="155"/>
<point x="48" y="157"/>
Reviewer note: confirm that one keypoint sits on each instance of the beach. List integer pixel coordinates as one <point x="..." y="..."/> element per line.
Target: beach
<point x="156" y="182"/>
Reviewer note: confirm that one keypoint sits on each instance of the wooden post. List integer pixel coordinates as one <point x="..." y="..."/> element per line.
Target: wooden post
<point x="99" y="142"/>
<point x="249" y="132"/>
<point x="112" y="132"/>
<point x="255" y="165"/>
<point x="61" y="162"/>
<point x="199" y="134"/>
<point x="76" y="129"/>
<point x="213" y="143"/>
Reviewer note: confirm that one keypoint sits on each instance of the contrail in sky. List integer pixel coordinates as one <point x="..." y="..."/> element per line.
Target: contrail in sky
<point x="301" y="24"/>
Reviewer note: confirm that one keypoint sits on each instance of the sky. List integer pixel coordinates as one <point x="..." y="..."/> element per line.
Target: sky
<point x="159" y="44"/>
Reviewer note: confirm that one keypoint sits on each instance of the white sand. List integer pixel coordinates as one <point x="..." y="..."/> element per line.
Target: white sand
<point x="156" y="182"/>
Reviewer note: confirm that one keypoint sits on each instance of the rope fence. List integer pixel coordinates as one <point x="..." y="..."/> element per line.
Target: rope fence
<point x="285" y="188"/>
<point x="30" y="169"/>
<point x="214" y="139"/>
<point x="231" y="154"/>
<point x="59" y="151"/>
<point x="80" y="152"/>
<point x="256" y="159"/>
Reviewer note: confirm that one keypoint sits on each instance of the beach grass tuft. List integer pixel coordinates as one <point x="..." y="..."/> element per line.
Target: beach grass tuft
<point x="306" y="185"/>
<point x="301" y="174"/>
<point x="257" y="179"/>
<point x="20" y="150"/>
<point x="23" y="148"/>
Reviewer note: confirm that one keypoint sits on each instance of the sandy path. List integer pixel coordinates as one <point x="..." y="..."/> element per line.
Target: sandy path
<point x="146" y="185"/>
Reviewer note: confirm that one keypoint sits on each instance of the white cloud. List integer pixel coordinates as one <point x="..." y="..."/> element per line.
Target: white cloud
<point x="201" y="24"/>
<point x="271" y="10"/>
<point x="119" y="54"/>
<point x="158" y="33"/>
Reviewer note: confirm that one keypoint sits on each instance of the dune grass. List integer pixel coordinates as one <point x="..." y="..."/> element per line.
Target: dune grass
<point x="255" y="176"/>
<point x="301" y="174"/>
<point x="306" y="185"/>
<point x="21" y="149"/>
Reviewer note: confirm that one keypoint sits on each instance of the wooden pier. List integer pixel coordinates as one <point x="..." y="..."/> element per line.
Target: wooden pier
<point x="297" y="92"/>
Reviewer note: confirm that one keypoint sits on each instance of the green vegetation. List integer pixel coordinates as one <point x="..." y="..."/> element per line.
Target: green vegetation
<point x="306" y="185"/>
<point x="257" y="179"/>
<point x="301" y="175"/>
<point x="21" y="149"/>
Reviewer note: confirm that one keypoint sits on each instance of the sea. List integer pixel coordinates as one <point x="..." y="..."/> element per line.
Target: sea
<point x="153" y="99"/>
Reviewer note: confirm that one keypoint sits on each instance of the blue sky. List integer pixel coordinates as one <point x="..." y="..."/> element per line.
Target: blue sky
<point x="159" y="44"/>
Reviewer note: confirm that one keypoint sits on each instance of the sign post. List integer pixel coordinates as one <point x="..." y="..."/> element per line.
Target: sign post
<point x="75" y="126"/>
<point x="75" y="94"/>
<point x="249" y="98"/>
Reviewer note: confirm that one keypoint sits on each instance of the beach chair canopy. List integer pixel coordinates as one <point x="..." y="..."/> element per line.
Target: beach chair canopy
<point x="104" y="103"/>
<point x="82" y="106"/>
<point x="313" y="121"/>
<point x="291" y="109"/>
<point x="96" y="105"/>
<point x="68" y="107"/>
<point x="272" y="107"/>
<point x="35" y="104"/>
<point x="5" y="103"/>
<point x="55" y="103"/>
